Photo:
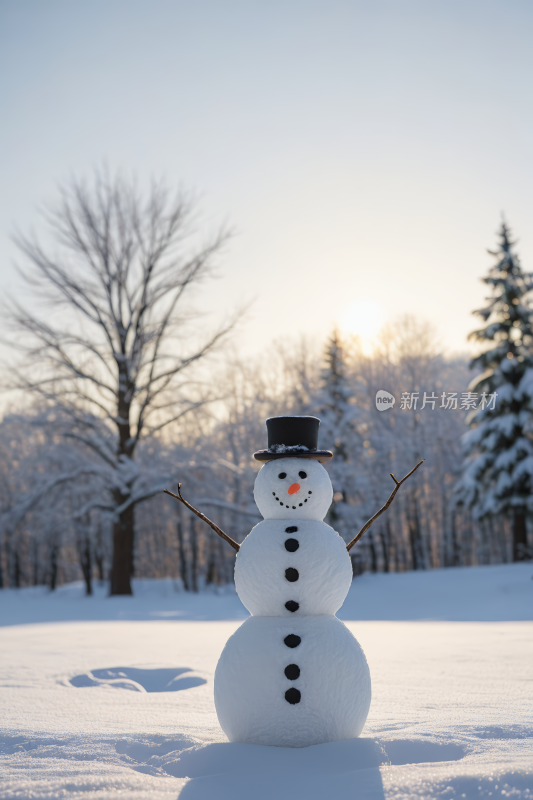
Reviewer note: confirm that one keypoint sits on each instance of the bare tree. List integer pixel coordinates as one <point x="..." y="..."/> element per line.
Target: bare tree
<point x="114" y="343"/>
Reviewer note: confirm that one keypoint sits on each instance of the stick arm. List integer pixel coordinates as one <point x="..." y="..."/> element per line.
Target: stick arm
<point x="367" y="524"/>
<point x="203" y="517"/>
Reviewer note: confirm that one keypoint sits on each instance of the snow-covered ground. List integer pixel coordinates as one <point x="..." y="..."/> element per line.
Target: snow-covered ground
<point x="100" y="696"/>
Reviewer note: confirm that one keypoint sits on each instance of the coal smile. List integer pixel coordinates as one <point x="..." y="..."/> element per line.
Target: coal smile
<point x="292" y="507"/>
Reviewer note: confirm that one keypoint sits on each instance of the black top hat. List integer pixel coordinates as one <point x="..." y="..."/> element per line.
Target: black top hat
<point x="293" y="437"/>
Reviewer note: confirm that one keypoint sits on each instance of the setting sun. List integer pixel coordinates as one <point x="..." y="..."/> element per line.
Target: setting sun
<point x="363" y="318"/>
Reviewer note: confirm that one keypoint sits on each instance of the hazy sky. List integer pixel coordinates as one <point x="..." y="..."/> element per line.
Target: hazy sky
<point x="363" y="150"/>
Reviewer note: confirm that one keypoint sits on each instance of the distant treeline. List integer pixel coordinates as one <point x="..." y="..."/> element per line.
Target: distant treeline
<point x="125" y="391"/>
<point x="56" y="529"/>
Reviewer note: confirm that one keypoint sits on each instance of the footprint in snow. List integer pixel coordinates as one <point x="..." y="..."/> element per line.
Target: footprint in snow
<point x="140" y="680"/>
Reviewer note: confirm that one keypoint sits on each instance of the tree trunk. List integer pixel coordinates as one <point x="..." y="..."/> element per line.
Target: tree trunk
<point x="132" y="553"/>
<point x="397" y="544"/>
<point x="456" y="550"/>
<point x="124" y="528"/>
<point x="358" y="566"/>
<point x="194" y="559"/>
<point x="520" y="551"/>
<point x="501" y="539"/>
<point x="34" y="558"/>
<point x="99" y="553"/>
<point x="8" y="562"/>
<point x="53" y="565"/>
<point x="122" y="553"/>
<point x="386" y="544"/>
<point x="226" y="573"/>
<point x="13" y="564"/>
<point x="86" y="564"/>
<point x="484" y="545"/>
<point x="373" y="554"/>
<point x="211" y="576"/>
<point x="181" y="551"/>
<point x="415" y="535"/>
<point x="17" y="572"/>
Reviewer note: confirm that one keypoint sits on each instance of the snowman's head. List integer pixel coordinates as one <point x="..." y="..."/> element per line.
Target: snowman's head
<point x="293" y="488"/>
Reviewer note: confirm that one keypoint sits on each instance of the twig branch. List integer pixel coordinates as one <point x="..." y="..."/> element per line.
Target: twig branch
<point x="203" y="517"/>
<point x="367" y="525"/>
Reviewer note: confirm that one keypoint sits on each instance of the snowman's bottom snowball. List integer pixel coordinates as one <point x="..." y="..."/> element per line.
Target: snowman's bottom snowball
<point x="250" y="683"/>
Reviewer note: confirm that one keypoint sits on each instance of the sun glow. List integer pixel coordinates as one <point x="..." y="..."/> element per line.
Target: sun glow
<point x="363" y="318"/>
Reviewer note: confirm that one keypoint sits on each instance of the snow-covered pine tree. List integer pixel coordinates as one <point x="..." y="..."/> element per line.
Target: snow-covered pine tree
<point x="339" y="430"/>
<point x="497" y="476"/>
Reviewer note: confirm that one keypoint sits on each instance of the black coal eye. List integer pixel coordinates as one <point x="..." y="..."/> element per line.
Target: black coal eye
<point x="282" y="475"/>
<point x="302" y="474"/>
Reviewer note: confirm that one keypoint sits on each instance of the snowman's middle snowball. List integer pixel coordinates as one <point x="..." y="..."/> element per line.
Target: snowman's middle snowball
<point x="271" y="578"/>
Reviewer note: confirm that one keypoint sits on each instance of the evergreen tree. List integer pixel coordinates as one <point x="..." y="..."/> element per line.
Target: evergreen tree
<point x="498" y="474"/>
<point x="340" y="430"/>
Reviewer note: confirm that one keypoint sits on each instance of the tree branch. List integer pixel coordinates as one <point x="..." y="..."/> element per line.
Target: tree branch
<point x="367" y="524"/>
<point x="199" y="514"/>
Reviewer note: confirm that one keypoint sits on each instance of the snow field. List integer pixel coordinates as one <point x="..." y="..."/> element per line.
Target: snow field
<point x="84" y="711"/>
<point x="493" y="593"/>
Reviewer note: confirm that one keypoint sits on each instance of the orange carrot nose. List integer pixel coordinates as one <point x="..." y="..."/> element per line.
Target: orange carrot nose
<point x="295" y="487"/>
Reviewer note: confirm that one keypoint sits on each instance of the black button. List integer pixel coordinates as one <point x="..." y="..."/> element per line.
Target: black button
<point x="292" y="574"/>
<point x="292" y="605"/>
<point x="292" y="672"/>
<point x="291" y="529"/>
<point x="292" y="640"/>
<point x="292" y="545"/>
<point x="293" y="696"/>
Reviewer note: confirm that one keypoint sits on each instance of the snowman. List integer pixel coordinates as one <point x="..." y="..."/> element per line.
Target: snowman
<point x="292" y="675"/>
